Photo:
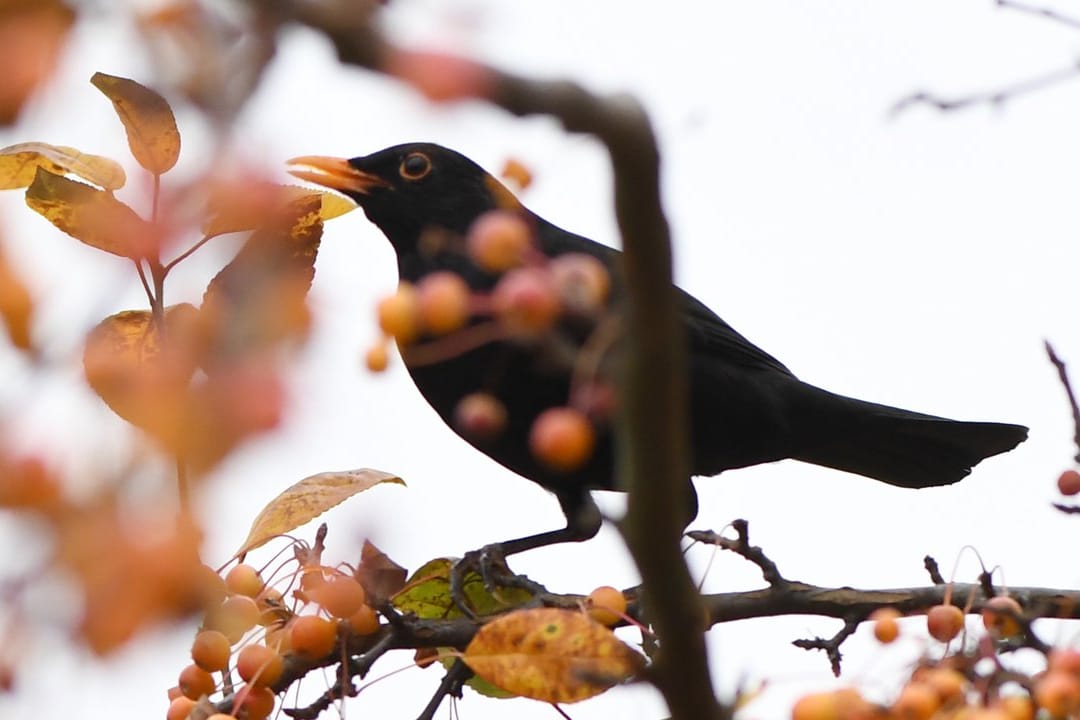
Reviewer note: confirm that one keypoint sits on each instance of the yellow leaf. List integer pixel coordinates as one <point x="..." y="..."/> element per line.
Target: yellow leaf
<point x="18" y="165"/>
<point x="308" y="499"/>
<point x="151" y="127"/>
<point x="90" y="215"/>
<point x="236" y="207"/>
<point x="551" y="654"/>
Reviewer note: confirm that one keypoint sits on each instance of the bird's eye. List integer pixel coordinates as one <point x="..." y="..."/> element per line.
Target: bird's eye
<point x="415" y="166"/>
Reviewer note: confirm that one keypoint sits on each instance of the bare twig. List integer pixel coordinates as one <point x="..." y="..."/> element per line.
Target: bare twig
<point x="1041" y="12"/>
<point x="1063" y="375"/>
<point x="995" y="98"/>
<point x="931" y="566"/>
<point x="741" y="546"/>
<point x="831" y="646"/>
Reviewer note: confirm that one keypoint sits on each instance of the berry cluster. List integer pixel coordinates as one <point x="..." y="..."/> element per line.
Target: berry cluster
<point x="531" y="295"/>
<point x="252" y="635"/>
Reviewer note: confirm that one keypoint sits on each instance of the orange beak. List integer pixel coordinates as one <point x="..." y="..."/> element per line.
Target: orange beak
<point x="334" y="173"/>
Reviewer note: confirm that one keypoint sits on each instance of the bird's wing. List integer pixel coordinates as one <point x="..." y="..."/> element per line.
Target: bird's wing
<point x="708" y="332"/>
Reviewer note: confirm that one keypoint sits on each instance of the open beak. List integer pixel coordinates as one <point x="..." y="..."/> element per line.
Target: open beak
<point x="334" y="173"/>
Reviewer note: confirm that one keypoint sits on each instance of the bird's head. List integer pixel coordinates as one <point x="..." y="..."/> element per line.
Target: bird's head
<point x="409" y="189"/>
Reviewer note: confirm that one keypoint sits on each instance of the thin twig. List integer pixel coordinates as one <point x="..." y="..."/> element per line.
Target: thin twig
<point x="1063" y="375"/>
<point x="1042" y="12"/>
<point x="995" y="98"/>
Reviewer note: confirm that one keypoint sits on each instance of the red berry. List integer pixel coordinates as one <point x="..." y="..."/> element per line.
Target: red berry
<point x="526" y="301"/>
<point x="1069" y="482"/>
<point x="480" y="416"/>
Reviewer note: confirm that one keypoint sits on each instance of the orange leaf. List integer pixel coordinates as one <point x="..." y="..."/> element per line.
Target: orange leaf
<point x="90" y="215"/>
<point x="16" y="305"/>
<point x="19" y="163"/>
<point x="151" y="127"/>
<point x="258" y="299"/>
<point x="126" y="366"/>
<point x="308" y="499"/>
<point x="550" y="654"/>
<point x="32" y="35"/>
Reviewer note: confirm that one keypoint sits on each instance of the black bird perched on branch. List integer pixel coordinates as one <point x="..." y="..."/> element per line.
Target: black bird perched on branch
<point x="746" y="408"/>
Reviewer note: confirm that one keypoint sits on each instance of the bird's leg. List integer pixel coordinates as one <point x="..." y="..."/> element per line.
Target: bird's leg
<point x="583" y="520"/>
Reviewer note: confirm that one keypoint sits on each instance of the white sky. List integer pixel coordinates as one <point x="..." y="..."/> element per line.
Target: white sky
<point x="919" y="261"/>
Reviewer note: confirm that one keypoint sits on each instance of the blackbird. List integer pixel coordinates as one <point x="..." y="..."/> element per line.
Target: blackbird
<point x="746" y="407"/>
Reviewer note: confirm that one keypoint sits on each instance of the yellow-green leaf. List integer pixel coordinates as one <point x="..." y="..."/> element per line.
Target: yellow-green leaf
<point x="427" y="593"/>
<point x="90" y="215"/>
<point x="19" y="163"/>
<point x="151" y="127"/>
<point x="551" y="654"/>
<point x="308" y="499"/>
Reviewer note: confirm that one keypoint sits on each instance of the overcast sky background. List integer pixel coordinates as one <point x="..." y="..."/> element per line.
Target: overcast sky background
<point x="917" y="260"/>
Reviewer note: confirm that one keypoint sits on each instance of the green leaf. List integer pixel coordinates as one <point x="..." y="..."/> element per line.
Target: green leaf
<point x="427" y="593"/>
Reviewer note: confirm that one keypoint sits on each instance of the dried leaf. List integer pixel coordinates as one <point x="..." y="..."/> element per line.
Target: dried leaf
<point x="550" y="654"/>
<point x="240" y="206"/>
<point x="151" y="127"/>
<point x="90" y="215"/>
<point x="380" y="576"/>
<point x="19" y="163"/>
<point x="258" y="299"/>
<point x="427" y="593"/>
<point x="126" y="366"/>
<point x="308" y="499"/>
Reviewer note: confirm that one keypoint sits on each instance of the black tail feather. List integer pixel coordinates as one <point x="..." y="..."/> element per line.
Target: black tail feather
<point x="898" y="447"/>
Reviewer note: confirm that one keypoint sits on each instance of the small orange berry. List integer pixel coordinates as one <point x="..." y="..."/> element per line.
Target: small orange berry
<point x="194" y="682"/>
<point x="399" y="314"/>
<point x="364" y="621"/>
<point x="498" y="240"/>
<point x="179" y="708"/>
<point x="312" y="637"/>
<point x="377" y="358"/>
<point x="256" y="703"/>
<point x="916" y="702"/>
<point x="1058" y="693"/>
<point x="886" y="624"/>
<point x="562" y="438"/>
<point x="211" y="650"/>
<point x="582" y="282"/>
<point x="244" y="580"/>
<point x="1000" y="615"/>
<point x="606" y="605"/>
<point x="944" y="622"/>
<point x="259" y="665"/>
<point x="443" y="302"/>
<point x="340" y="596"/>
